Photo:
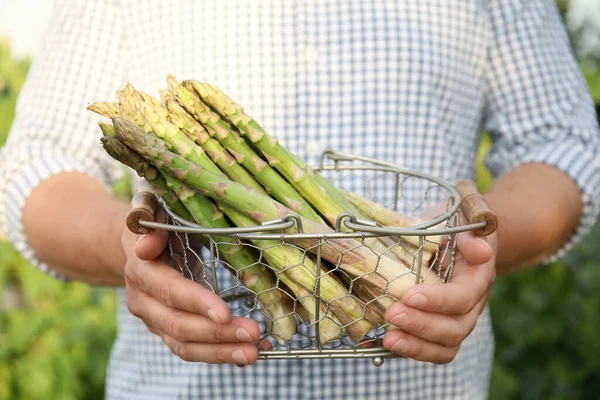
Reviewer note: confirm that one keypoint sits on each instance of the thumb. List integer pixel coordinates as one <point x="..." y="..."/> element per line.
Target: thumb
<point x="476" y="250"/>
<point x="150" y="246"/>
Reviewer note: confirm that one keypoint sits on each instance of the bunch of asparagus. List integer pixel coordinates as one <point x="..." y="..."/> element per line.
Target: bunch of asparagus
<point x="215" y="165"/>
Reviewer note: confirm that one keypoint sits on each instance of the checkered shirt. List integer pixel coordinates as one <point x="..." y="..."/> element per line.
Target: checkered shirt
<point x="411" y="82"/>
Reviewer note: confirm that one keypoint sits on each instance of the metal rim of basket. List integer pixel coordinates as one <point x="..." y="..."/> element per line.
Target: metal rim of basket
<point x="275" y="230"/>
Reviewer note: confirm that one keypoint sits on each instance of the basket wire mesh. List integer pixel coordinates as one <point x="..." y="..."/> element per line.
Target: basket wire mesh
<point x="428" y="249"/>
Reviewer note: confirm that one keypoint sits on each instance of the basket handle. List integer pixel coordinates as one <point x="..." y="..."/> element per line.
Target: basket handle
<point x="475" y="208"/>
<point x="143" y="208"/>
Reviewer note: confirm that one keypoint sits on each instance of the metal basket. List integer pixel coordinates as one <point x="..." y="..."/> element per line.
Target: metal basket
<point x="429" y="247"/>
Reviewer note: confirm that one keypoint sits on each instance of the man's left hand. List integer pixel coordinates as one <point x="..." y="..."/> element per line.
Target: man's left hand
<point x="433" y="320"/>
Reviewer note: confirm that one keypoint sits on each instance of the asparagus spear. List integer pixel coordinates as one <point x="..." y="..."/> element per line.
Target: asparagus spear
<point x="347" y="253"/>
<point x="298" y="272"/>
<point x="187" y="204"/>
<point x="319" y="192"/>
<point x="367" y="295"/>
<point x="154" y="103"/>
<point x="120" y="152"/>
<point x="105" y="108"/>
<point x="325" y="197"/>
<point x="276" y="186"/>
<point x="107" y="129"/>
<point x="254" y="276"/>
<point x="406" y="252"/>
<point x="221" y="157"/>
<point x="150" y="120"/>
<point x="330" y="328"/>
<point x="386" y="217"/>
<point x="149" y="114"/>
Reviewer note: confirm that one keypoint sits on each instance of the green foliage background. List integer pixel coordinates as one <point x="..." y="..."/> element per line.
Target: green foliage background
<point x="55" y="337"/>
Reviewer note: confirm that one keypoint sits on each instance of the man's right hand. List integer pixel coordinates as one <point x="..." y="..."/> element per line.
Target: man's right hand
<point x="195" y="323"/>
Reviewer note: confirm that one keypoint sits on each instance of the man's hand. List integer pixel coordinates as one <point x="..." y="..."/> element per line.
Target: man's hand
<point x="194" y="322"/>
<point x="433" y="320"/>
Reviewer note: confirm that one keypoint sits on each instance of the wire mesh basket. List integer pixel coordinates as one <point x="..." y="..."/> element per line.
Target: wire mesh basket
<point x="340" y="314"/>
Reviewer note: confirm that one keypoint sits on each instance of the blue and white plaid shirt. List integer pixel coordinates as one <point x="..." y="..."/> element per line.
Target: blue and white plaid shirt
<point x="411" y="82"/>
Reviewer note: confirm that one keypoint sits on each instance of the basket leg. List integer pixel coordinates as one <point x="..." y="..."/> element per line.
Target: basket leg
<point x="377" y="361"/>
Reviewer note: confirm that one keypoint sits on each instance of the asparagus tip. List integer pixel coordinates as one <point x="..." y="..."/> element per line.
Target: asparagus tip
<point x="172" y="82"/>
<point x="107" y="129"/>
<point x="104" y="108"/>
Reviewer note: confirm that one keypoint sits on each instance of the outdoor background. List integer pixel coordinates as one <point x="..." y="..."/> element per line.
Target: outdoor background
<point x="55" y="337"/>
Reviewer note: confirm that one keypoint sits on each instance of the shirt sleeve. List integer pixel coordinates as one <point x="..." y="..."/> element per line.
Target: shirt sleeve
<point x="538" y="106"/>
<point x="81" y="62"/>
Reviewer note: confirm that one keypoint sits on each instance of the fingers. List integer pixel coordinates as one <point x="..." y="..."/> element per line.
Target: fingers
<point x="264" y="344"/>
<point x="187" y="327"/>
<point x="467" y="287"/>
<point x="446" y="330"/>
<point x="240" y="354"/>
<point x="150" y="246"/>
<point x="175" y="291"/>
<point x="476" y="250"/>
<point x="416" y="348"/>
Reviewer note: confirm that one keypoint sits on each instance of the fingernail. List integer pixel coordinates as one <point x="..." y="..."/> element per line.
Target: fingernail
<point x="239" y="357"/>
<point x="399" y="346"/>
<point x="242" y="335"/>
<point x="400" y="320"/>
<point x="417" y="301"/>
<point x="214" y="317"/>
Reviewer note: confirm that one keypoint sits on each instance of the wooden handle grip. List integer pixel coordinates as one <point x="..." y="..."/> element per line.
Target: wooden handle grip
<point x="143" y="208"/>
<point x="476" y="208"/>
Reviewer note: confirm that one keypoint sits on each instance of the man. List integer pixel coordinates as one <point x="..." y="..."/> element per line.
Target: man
<point x="411" y="82"/>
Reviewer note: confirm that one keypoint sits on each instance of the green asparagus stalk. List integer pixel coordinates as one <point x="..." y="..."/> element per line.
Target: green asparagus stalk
<point x="254" y="276"/>
<point x="330" y="328"/>
<point x="366" y="295"/>
<point x="226" y="193"/>
<point x="326" y="198"/>
<point x="276" y="186"/>
<point x="150" y="120"/>
<point x="406" y="252"/>
<point x="347" y="253"/>
<point x="120" y="152"/>
<point x="187" y="204"/>
<point x="393" y="219"/>
<point x="323" y="196"/>
<point x="299" y="274"/>
<point x="221" y="157"/>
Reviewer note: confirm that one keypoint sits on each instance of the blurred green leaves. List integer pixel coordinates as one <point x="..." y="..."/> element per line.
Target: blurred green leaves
<point x="55" y="336"/>
<point x="546" y="327"/>
<point x="592" y="76"/>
